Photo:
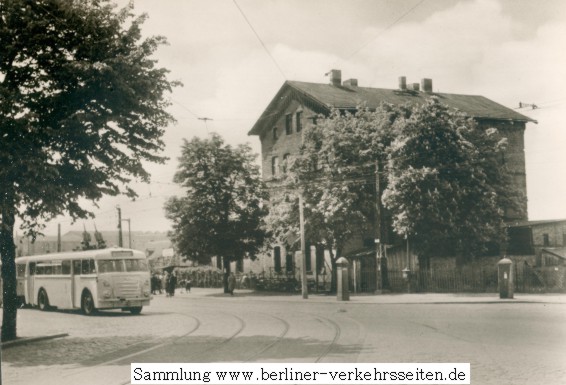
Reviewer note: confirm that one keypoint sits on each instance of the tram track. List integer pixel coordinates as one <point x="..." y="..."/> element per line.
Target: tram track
<point x="337" y="333"/>
<point x="137" y="353"/>
<point x="278" y="339"/>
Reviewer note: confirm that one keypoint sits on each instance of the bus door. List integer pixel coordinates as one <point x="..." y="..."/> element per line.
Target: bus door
<point x="76" y="284"/>
<point x="30" y="294"/>
<point x="67" y="279"/>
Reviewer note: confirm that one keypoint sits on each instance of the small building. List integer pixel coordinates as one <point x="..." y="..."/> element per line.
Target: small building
<point x="532" y="237"/>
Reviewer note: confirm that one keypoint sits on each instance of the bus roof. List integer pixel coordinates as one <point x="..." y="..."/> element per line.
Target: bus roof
<point x="111" y="252"/>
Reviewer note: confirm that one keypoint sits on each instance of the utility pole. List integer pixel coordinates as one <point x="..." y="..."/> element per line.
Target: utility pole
<point x="378" y="255"/>
<point x="58" y="237"/>
<point x="120" y="241"/>
<point x="129" y="232"/>
<point x="305" y="290"/>
<point x="205" y="120"/>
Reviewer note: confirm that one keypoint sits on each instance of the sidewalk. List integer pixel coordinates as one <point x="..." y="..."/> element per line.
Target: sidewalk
<point x="390" y="298"/>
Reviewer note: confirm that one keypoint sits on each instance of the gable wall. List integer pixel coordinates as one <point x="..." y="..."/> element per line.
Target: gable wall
<point x="284" y="144"/>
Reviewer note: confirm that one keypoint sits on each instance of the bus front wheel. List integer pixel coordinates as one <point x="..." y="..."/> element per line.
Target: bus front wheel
<point x="87" y="303"/>
<point x="135" y="310"/>
<point x="42" y="300"/>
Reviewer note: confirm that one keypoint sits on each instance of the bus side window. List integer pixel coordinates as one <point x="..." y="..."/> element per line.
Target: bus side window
<point x="32" y="268"/>
<point x="92" y="266"/>
<point x="57" y="268"/>
<point x="88" y="266"/>
<point x="20" y="270"/>
<point x="66" y="267"/>
<point x="77" y="267"/>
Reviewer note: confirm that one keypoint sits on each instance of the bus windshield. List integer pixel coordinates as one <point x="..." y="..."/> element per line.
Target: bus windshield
<point x="136" y="265"/>
<point x="110" y="266"/>
<point x="121" y="265"/>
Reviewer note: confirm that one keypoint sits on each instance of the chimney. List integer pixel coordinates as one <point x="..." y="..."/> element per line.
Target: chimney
<point x="350" y="83"/>
<point x="335" y="77"/>
<point x="402" y="83"/>
<point x="426" y="85"/>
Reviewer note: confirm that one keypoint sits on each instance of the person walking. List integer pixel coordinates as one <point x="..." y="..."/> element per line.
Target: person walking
<point x="166" y="281"/>
<point x="172" y="283"/>
<point x="231" y="283"/>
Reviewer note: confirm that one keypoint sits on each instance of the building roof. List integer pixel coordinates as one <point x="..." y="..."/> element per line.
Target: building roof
<point x="559" y="252"/>
<point x="322" y="97"/>
<point x="536" y="223"/>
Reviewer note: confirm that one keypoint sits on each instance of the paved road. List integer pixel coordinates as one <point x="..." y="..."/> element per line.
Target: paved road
<point x="520" y="341"/>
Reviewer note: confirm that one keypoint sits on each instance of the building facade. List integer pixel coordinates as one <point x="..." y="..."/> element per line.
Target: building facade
<point x="298" y="104"/>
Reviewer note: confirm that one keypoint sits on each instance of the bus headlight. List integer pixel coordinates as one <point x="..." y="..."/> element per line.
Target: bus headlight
<point x="105" y="283"/>
<point x="146" y="293"/>
<point x="107" y="294"/>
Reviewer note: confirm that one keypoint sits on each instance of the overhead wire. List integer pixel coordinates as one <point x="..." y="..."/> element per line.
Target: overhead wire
<point x="389" y="26"/>
<point x="260" y="40"/>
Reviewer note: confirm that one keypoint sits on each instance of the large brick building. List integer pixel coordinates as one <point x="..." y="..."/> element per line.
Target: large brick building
<point x="298" y="104"/>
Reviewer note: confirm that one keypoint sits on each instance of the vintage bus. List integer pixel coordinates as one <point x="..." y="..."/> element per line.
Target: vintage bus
<point x="113" y="278"/>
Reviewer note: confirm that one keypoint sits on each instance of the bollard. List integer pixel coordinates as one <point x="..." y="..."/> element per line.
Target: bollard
<point x="342" y="276"/>
<point x="407" y="277"/>
<point x="505" y="278"/>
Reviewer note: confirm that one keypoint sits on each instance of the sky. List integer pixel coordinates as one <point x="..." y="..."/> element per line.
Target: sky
<point x="232" y="56"/>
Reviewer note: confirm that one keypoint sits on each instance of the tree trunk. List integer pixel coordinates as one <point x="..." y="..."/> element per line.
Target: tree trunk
<point x="226" y="263"/>
<point x="8" y="254"/>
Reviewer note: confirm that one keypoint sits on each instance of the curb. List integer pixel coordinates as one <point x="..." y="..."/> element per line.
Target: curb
<point x="26" y="340"/>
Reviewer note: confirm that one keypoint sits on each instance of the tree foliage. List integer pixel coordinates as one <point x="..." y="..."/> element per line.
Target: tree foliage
<point x="222" y="212"/>
<point x="448" y="185"/>
<point x="81" y="107"/>
<point x="336" y="173"/>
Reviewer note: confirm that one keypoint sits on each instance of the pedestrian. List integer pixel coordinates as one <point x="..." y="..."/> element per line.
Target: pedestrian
<point x="166" y="281"/>
<point x="188" y="285"/>
<point x="154" y="280"/>
<point x="172" y="284"/>
<point x="231" y="283"/>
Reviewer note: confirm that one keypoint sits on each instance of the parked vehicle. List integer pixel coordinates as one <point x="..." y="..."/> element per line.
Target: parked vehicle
<point x="113" y="278"/>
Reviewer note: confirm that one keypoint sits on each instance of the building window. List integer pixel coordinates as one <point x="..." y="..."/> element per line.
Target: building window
<point x="277" y="259"/>
<point x="288" y="124"/>
<point x="320" y="260"/>
<point x="545" y="240"/>
<point x="308" y="257"/>
<point x="275" y="166"/>
<point x="289" y="262"/>
<point x="285" y="164"/>
<point x="298" y="118"/>
<point x="274" y="133"/>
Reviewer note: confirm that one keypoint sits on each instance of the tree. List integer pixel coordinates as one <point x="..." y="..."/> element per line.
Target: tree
<point x="82" y="105"/>
<point x="222" y="212"/>
<point x="448" y="186"/>
<point x="336" y="174"/>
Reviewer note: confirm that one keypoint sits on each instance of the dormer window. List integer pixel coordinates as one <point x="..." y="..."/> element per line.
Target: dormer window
<point x="288" y="124"/>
